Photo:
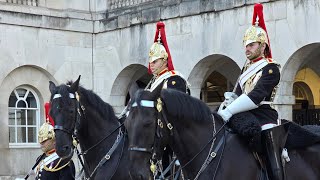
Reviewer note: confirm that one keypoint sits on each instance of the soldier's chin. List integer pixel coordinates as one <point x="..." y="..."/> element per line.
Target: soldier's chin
<point x="251" y="57"/>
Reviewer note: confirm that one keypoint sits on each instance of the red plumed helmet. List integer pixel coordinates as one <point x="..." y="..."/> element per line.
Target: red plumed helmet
<point x="160" y="48"/>
<point x="258" y="31"/>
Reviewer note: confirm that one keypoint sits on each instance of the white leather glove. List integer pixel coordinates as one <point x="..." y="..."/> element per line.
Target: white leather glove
<point x="229" y="98"/>
<point x="241" y="104"/>
<point x="225" y="114"/>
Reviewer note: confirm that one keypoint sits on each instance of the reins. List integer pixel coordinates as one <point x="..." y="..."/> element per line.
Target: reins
<point x="76" y="141"/>
<point x="211" y="154"/>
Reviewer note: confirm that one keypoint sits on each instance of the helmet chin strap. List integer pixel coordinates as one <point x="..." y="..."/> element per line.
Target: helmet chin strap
<point x="158" y="70"/>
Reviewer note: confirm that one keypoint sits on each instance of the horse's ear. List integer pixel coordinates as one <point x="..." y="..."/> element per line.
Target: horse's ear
<point x="133" y="89"/>
<point x="52" y="87"/>
<point x="156" y="92"/>
<point x="74" y="86"/>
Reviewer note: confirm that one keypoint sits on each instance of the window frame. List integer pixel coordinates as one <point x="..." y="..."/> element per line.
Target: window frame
<point x="38" y="118"/>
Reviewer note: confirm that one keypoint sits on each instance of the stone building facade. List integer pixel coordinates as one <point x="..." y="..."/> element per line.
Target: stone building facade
<point x="107" y="42"/>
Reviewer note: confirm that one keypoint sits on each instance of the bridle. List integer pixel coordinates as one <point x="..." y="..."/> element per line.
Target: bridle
<point x="75" y="141"/>
<point x="155" y="150"/>
<point x="162" y="122"/>
<point x="61" y="128"/>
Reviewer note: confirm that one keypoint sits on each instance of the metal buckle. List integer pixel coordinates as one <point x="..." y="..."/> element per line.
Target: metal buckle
<point x="170" y="127"/>
<point x="107" y="157"/>
<point x="160" y="123"/>
<point x="213" y="154"/>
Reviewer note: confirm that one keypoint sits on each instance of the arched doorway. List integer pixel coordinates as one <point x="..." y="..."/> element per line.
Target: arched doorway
<point x="211" y="77"/>
<point x="298" y="95"/>
<point x="132" y="75"/>
<point x="306" y="91"/>
<point x="214" y="87"/>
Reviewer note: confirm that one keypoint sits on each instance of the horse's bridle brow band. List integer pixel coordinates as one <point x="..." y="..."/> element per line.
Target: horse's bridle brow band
<point x="144" y="103"/>
<point x="72" y="96"/>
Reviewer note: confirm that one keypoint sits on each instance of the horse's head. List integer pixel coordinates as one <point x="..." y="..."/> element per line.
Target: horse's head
<point x="64" y="113"/>
<point x="145" y="147"/>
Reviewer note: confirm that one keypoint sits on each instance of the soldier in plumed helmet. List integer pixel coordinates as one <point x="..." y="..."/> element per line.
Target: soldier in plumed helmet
<point x="162" y="69"/>
<point x="161" y="66"/>
<point x="254" y="94"/>
<point x="49" y="165"/>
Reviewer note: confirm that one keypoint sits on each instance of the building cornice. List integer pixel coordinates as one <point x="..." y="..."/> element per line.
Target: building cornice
<point x="109" y="20"/>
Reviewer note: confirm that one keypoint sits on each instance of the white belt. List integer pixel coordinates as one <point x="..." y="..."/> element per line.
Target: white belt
<point x="266" y="102"/>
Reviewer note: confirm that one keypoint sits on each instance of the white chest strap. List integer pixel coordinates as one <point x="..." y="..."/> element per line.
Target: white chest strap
<point x="253" y="69"/>
<point x="165" y="76"/>
<point x="47" y="161"/>
<point x="159" y="80"/>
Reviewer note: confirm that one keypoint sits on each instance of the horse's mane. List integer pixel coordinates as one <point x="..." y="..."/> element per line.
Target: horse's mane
<point x="89" y="98"/>
<point x="184" y="106"/>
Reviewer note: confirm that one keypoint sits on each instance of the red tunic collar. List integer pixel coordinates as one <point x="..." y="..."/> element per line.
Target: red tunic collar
<point x="162" y="72"/>
<point x="256" y="60"/>
<point x="51" y="152"/>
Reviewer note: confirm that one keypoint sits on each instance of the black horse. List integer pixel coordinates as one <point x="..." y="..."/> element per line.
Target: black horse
<point x="186" y="124"/>
<point x="80" y="114"/>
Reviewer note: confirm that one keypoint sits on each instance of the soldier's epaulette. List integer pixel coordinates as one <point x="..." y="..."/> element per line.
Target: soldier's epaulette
<point x="271" y="61"/>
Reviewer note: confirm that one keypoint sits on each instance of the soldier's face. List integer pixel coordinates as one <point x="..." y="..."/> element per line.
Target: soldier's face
<point x="254" y="50"/>
<point x="47" y="145"/>
<point x="157" y="66"/>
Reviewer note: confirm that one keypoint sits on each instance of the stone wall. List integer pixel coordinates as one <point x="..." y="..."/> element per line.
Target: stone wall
<point x="109" y="45"/>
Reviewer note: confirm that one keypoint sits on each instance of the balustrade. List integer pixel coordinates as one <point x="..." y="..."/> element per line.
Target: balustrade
<point x="24" y="2"/>
<point x="115" y="4"/>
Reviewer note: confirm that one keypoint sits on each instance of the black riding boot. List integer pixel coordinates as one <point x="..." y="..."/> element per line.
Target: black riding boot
<point x="273" y="141"/>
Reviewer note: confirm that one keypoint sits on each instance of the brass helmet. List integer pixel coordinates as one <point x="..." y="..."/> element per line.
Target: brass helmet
<point x="157" y="51"/>
<point x="258" y="31"/>
<point x="255" y="34"/>
<point x="46" y="132"/>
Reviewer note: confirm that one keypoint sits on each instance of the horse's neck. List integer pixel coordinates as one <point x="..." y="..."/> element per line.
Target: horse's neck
<point x="93" y="128"/>
<point x="189" y="140"/>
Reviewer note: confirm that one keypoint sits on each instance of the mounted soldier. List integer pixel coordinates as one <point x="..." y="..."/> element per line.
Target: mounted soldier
<point x="161" y="66"/>
<point x="254" y="94"/>
<point x="49" y="165"/>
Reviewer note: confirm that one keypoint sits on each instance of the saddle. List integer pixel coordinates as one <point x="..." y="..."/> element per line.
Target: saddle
<point x="246" y="125"/>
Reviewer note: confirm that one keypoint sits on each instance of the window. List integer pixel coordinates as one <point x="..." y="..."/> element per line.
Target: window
<point x="24" y="118"/>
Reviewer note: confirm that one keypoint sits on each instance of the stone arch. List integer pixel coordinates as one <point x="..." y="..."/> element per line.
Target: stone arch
<point x="305" y="57"/>
<point x="34" y="77"/>
<point x="216" y="62"/>
<point x="122" y="83"/>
